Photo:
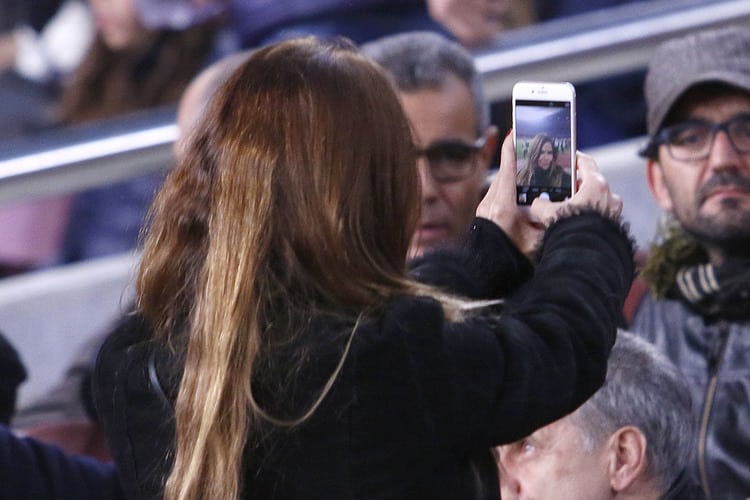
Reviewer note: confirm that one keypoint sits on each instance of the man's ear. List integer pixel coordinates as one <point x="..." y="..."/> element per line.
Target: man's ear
<point x="627" y="452"/>
<point x="657" y="185"/>
<point x="489" y="148"/>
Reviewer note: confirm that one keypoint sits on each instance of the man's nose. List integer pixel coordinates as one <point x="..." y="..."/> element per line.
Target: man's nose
<point x="510" y="488"/>
<point x="430" y="187"/>
<point x="723" y="155"/>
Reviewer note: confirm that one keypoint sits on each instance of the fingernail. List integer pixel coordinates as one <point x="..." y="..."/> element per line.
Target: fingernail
<point x="509" y="131"/>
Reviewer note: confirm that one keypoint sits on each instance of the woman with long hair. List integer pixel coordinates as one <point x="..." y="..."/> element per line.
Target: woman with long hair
<point x="541" y="167"/>
<point x="281" y="350"/>
<point x="129" y="67"/>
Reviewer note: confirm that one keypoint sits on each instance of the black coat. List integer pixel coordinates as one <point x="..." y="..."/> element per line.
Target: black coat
<point x="714" y="355"/>
<point x="35" y="470"/>
<point x="420" y="400"/>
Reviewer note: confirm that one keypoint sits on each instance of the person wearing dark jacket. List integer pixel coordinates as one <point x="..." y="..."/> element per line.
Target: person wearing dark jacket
<point x="33" y="470"/>
<point x="280" y="349"/>
<point x="698" y="308"/>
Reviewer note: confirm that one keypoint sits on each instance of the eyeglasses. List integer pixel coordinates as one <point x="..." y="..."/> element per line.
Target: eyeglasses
<point x="451" y="160"/>
<point x="693" y="140"/>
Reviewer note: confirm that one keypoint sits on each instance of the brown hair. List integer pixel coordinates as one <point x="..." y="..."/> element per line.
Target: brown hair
<point x="112" y="82"/>
<point x="297" y="196"/>
<point x="526" y="174"/>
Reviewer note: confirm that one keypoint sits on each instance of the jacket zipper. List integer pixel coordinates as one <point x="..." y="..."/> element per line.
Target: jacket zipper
<point x="714" y="363"/>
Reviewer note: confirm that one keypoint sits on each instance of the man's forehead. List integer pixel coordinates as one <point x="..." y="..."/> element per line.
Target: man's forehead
<point x="445" y="113"/>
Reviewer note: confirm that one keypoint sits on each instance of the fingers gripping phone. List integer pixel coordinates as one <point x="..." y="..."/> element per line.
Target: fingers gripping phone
<point x="544" y="134"/>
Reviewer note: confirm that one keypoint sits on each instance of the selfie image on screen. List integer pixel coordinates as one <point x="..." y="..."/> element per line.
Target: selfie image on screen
<point x="543" y="150"/>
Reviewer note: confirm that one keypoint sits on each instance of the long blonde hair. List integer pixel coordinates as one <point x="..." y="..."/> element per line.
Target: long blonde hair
<point x="297" y="197"/>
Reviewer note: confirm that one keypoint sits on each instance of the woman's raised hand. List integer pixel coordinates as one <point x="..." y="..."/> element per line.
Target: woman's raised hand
<point x="593" y="191"/>
<point x="525" y="225"/>
<point x="499" y="204"/>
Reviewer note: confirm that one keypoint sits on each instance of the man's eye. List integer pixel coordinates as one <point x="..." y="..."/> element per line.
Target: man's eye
<point x="457" y="153"/>
<point x="742" y="129"/>
<point x="527" y="446"/>
<point x="688" y="137"/>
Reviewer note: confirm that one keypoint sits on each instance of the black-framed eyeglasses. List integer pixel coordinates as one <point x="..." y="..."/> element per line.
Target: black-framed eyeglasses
<point x="692" y="140"/>
<point x="451" y="160"/>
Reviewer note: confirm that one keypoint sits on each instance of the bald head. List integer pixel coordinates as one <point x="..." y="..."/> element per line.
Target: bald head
<point x="198" y="94"/>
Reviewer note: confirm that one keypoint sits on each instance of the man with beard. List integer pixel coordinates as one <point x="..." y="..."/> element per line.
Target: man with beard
<point x="697" y="309"/>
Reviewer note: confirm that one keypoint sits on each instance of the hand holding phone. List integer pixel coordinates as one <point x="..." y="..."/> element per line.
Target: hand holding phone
<point x="499" y="205"/>
<point x="593" y="188"/>
<point x="544" y="128"/>
<point x="593" y="192"/>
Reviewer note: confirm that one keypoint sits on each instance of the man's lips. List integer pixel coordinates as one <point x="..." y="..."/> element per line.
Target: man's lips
<point x="725" y="192"/>
<point x="432" y="230"/>
<point x="724" y="184"/>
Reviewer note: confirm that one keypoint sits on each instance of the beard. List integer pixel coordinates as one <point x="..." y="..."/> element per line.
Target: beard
<point x="727" y="230"/>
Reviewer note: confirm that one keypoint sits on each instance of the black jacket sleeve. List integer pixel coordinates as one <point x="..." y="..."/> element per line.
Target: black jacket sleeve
<point x="30" y="469"/>
<point x="494" y="378"/>
<point x="487" y="267"/>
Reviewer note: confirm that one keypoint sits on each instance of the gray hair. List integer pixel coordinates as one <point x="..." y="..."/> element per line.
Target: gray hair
<point x="423" y="60"/>
<point x="643" y="389"/>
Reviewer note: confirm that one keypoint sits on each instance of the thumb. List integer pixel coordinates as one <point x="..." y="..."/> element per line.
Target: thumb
<point x="587" y="173"/>
<point x="506" y="173"/>
<point x="501" y="195"/>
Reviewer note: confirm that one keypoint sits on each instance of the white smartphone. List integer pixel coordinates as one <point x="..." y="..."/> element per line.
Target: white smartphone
<point x="544" y="133"/>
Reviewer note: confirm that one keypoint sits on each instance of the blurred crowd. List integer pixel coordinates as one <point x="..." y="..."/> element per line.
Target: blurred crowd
<point x="71" y="62"/>
<point x="663" y="419"/>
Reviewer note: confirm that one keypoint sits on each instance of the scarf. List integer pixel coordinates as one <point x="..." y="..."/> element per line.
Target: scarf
<point x="718" y="291"/>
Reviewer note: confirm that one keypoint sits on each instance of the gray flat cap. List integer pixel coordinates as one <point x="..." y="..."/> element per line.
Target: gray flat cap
<point x="719" y="55"/>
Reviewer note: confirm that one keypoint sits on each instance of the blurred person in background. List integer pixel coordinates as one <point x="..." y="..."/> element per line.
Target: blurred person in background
<point x="34" y="470"/>
<point x="12" y="374"/>
<point x="475" y="23"/>
<point x="442" y="96"/>
<point x="471" y="22"/>
<point x="129" y="67"/>
<point x="41" y="41"/>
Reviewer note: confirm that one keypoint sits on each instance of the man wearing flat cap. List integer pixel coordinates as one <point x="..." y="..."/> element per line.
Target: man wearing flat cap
<point x="697" y="309"/>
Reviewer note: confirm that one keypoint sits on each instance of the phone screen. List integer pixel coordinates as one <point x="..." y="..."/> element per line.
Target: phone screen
<point x="545" y="150"/>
